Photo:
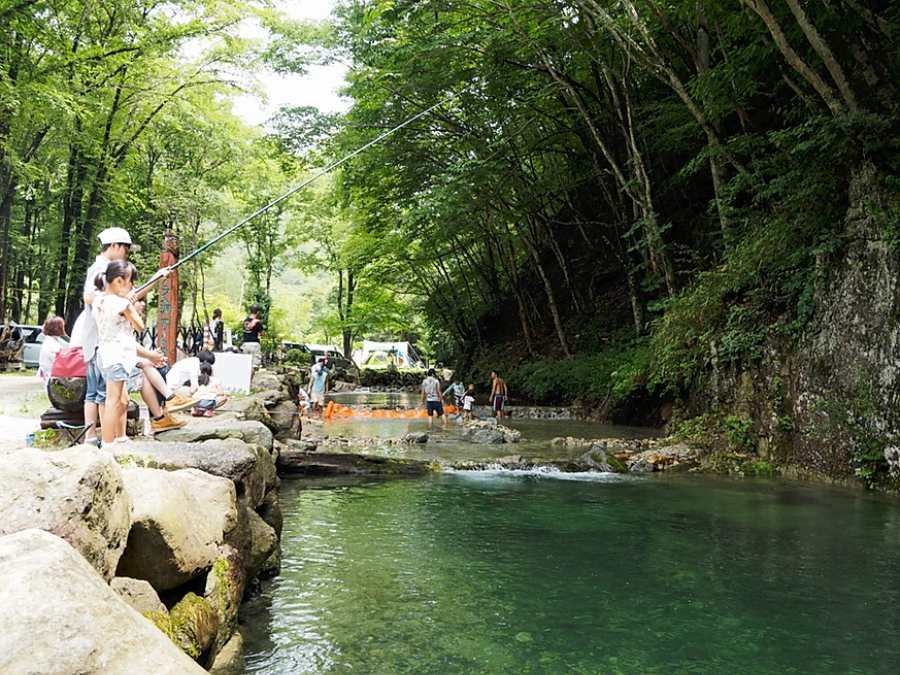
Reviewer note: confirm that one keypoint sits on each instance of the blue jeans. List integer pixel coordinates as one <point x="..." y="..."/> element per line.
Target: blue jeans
<point x="96" y="384"/>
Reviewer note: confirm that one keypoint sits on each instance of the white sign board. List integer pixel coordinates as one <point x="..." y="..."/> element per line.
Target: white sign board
<point x="234" y="371"/>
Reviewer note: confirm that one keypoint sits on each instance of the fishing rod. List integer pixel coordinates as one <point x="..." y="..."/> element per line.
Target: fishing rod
<point x="294" y="190"/>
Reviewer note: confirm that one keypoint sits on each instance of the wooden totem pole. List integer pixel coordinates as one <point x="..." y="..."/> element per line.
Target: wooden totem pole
<point x="167" y="315"/>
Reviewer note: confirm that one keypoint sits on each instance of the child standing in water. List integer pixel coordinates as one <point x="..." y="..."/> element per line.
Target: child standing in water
<point x="468" y="402"/>
<point x="117" y="320"/>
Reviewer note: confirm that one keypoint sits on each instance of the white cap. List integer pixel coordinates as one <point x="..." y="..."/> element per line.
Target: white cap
<point x="117" y="235"/>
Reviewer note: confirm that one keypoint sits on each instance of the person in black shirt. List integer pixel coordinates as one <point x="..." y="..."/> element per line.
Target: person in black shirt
<point x="253" y="328"/>
<point x="217" y="330"/>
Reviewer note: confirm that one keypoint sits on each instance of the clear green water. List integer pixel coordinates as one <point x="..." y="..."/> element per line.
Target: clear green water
<point x="489" y="573"/>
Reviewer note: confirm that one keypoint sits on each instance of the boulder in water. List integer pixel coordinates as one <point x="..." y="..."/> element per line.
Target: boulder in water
<point x="76" y="493"/>
<point x="60" y="616"/>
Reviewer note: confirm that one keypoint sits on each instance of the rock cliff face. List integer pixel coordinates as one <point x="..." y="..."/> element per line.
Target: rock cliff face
<point x="827" y="404"/>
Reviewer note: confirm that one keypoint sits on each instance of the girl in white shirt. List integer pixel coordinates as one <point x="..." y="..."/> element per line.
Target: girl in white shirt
<point x="117" y="320"/>
<point x="54" y="329"/>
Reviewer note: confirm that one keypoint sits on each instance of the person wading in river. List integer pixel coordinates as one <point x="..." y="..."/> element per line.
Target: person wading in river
<point x="431" y="395"/>
<point x="499" y="394"/>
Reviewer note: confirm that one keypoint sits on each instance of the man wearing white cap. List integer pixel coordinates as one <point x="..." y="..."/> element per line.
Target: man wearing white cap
<point x="115" y="244"/>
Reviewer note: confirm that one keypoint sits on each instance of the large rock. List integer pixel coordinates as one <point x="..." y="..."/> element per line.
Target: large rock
<point x="265" y="379"/>
<point x="251" y="408"/>
<point x="339" y="463"/>
<point x="224" y="590"/>
<point x="490" y="433"/>
<point x="76" y="494"/>
<point x="59" y="616"/>
<point x="263" y="542"/>
<point x="250" y="468"/>
<point x="286" y="418"/>
<point x="179" y="521"/>
<point x="206" y="428"/>
<point x="270" y="511"/>
<point x="192" y="624"/>
<point x="138" y="594"/>
<point x="230" y="659"/>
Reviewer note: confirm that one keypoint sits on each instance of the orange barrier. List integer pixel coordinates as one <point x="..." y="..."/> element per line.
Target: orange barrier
<point x="333" y="410"/>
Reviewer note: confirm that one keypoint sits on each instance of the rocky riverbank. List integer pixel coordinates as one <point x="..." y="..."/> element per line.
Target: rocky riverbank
<point x="137" y="560"/>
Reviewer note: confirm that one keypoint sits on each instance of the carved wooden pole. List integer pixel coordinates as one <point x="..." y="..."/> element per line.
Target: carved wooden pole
<point x="167" y="315"/>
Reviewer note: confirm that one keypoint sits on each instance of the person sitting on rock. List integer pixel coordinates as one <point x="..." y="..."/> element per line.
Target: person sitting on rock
<point x="184" y="375"/>
<point x="209" y="394"/>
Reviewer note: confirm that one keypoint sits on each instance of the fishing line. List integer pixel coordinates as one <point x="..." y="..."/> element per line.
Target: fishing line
<point x="322" y="172"/>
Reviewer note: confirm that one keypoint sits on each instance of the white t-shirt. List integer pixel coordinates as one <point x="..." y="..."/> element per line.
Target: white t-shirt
<point x="182" y="371"/>
<point x="431" y="387"/>
<point x="468" y="400"/>
<point x="117" y="344"/>
<point x="49" y="349"/>
<point x="84" y="332"/>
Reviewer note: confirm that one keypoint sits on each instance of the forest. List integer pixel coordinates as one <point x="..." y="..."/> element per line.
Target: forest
<point x="618" y="200"/>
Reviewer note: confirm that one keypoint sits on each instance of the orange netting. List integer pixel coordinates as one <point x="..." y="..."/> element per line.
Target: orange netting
<point x="333" y="410"/>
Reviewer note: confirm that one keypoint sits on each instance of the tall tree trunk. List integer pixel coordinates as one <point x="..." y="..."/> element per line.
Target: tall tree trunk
<point x="794" y="59"/>
<point x="824" y="51"/>
<point x="75" y="175"/>
<point x="551" y="296"/>
<point x="347" y="330"/>
<point x="716" y="165"/>
<point x="6" y="202"/>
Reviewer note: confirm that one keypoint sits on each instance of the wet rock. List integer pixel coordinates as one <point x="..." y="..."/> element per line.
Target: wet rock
<point x="415" y="438"/>
<point x="224" y="590"/>
<point x="595" y="459"/>
<point x="230" y="659"/>
<point x="678" y="456"/>
<point x="192" y="624"/>
<point x="219" y="428"/>
<point x="138" y="594"/>
<point x="76" y="494"/>
<point x="263" y="542"/>
<point x="60" y="616"/>
<point x="490" y="433"/>
<point x="179" y="521"/>
<point x="336" y="464"/>
<point x="270" y="512"/>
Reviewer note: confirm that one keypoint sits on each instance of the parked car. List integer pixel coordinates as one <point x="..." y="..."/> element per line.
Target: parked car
<point x="340" y="365"/>
<point x="31" y="348"/>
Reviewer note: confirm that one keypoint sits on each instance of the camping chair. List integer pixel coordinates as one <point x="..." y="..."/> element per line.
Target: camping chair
<point x="74" y="432"/>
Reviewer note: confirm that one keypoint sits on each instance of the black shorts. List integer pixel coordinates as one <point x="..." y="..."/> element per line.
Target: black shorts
<point x="434" y="408"/>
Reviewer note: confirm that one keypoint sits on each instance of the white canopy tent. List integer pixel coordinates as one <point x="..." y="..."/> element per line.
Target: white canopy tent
<point x="401" y="354"/>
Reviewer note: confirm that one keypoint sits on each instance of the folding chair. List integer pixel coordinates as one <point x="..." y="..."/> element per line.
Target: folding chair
<point x="74" y="432"/>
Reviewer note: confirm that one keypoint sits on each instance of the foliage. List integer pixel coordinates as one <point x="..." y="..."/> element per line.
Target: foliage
<point x="606" y="378"/>
<point x="296" y="357"/>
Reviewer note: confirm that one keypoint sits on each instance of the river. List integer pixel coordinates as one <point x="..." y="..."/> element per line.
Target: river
<point x="493" y="572"/>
